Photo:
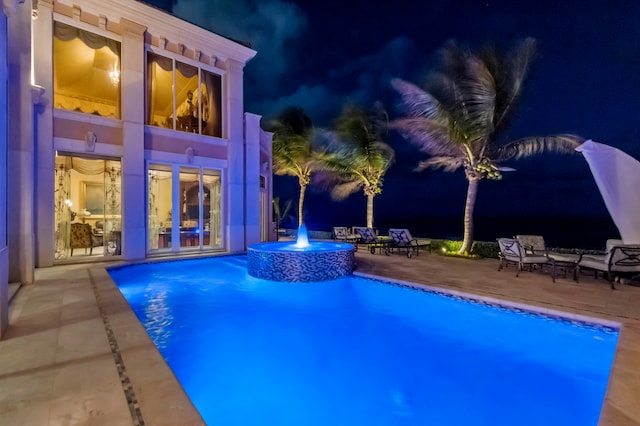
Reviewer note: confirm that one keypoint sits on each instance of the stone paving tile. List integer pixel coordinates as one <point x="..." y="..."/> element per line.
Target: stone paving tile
<point x="23" y="389"/>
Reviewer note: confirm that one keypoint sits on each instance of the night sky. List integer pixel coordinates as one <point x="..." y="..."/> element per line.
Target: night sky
<point x="320" y="54"/>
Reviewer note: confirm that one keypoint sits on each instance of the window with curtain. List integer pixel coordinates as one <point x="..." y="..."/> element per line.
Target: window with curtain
<point x="184" y="201"/>
<point x="86" y="72"/>
<point x="183" y="97"/>
<point x="159" y="210"/>
<point x="87" y="192"/>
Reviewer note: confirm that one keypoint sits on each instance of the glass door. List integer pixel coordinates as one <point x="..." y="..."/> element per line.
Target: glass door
<point x="87" y="207"/>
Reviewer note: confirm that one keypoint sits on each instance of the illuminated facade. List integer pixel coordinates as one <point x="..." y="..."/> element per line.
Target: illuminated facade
<point x="126" y="138"/>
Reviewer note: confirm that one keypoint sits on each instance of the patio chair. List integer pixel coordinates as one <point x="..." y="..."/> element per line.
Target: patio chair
<point x="341" y="233"/>
<point x="403" y="240"/>
<point x="619" y="259"/>
<point x="368" y="237"/>
<point x="534" y="244"/>
<point x="512" y="252"/>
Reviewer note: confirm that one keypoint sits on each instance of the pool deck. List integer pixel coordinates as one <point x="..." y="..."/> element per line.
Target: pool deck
<point x="75" y="353"/>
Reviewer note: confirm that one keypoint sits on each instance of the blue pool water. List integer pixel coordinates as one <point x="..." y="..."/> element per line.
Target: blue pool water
<point x="356" y="351"/>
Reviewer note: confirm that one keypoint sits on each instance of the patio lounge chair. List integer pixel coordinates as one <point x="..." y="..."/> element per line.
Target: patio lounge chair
<point x="619" y="259"/>
<point x="534" y="244"/>
<point x="512" y="252"/>
<point x="403" y="240"/>
<point x="368" y="237"/>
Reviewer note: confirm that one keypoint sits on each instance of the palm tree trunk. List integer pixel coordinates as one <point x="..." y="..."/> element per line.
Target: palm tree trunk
<point x="467" y="241"/>
<point x="303" y="188"/>
<point x="370" y="210"/>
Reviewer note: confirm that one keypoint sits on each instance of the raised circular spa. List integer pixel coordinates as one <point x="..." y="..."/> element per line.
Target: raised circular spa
<point x="300" y="260"/>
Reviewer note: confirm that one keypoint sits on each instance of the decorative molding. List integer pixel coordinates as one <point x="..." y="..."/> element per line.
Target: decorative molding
<point x="91" y="139"/>
<point x="37" y="92"/>
<point x="189" y="153"/>
<point x="234" y="66"/>
<point x="132" y="28"/>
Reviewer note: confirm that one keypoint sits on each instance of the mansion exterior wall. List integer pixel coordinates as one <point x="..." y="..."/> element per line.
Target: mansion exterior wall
<point x="37" y="129"/>
<point x="4" y="123"/>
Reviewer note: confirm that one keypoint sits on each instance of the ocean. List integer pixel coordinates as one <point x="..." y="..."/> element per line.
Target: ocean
<point x="582" y="233"/>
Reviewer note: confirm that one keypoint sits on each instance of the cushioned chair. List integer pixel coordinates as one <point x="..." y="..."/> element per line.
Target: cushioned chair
<point x="368" y="237"/>
<point x="619" y="259"/>
<point x="511" y="252"/>
<point x="341" y="233"/>
<point x="534" y="244"/>
<point x="82" y="237"/>
<point x="403" y="240"/>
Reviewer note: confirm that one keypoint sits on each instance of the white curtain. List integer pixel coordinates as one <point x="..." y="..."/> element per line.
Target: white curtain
<point x="112" y="207"/>
<point x="154" y="220"/>
<point x="617" y="175"/>
<point x="215" y="213"/>
<point x="62" y="209"/>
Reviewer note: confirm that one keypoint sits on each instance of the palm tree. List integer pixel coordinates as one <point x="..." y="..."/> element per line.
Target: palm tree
<point x="292" y="149"/>
<point x="357" y="157"/>
<point x="460" y="116"/>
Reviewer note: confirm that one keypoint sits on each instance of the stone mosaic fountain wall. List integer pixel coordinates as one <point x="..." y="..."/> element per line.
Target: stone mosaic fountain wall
<point x="329" y="261"/>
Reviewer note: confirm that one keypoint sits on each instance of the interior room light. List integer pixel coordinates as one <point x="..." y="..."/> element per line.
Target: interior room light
<point x="114" y="75"/>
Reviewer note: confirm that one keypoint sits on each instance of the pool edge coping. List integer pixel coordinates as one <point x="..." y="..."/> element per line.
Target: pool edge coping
<point x="502" y="303"/>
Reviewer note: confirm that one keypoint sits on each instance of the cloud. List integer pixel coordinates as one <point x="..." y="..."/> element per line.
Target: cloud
<point x="362" y="80"/>
<point x="318" y="102"/>
<point x="276" y="30"/>
<point x="268" y="25"/>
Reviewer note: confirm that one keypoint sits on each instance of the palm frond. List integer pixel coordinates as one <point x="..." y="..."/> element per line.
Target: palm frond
<point x="384" y="152"/>
<point x="448" y="164"/>
<point x="526" y="147"/>
<point x="510" y="73"/>
<point x="430" y="136"/>
<point x="418" y="102"/>
<point x="343" y="190"/>
<point x="477" y="98"/>
<point x="466" y="89"/>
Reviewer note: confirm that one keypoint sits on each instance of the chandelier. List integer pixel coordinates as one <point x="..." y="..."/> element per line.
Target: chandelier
<point x="114" y="75"/>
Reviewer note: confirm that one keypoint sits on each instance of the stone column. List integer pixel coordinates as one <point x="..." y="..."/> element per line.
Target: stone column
<point x="20" y="188"/>
<point x="252" y="177"/>
<point x="266" y="160"/>
<point x="4" y="253"/>
<point x="134" y="182"/>
<point x="42" y="91"/>
<point x="235" y="173"/>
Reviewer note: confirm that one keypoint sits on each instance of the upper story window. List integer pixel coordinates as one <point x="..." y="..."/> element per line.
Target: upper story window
<point x="194" y="106"/>
<point x="86" y="71"/>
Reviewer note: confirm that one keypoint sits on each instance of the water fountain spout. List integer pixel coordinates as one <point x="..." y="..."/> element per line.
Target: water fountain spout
<point x="302" y="240"/>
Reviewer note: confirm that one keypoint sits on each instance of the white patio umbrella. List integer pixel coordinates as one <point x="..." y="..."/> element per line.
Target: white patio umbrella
<point x="617" y="175"/>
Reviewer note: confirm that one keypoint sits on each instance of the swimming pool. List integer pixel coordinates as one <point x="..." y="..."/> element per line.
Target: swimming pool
<point x="356" y="351"/>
